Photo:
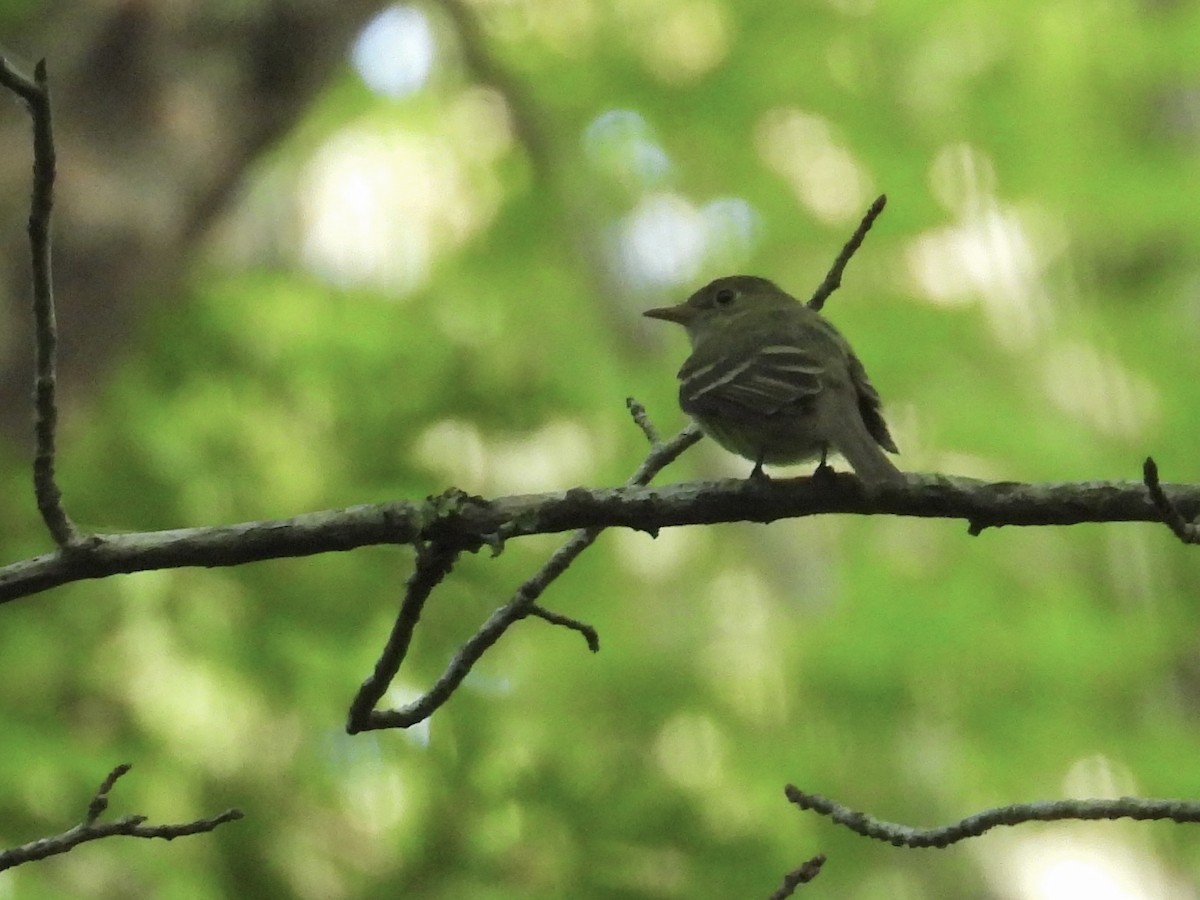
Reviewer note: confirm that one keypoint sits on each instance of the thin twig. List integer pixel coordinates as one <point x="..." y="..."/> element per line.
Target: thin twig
<point x="833" y="280"/>
<point x="36" y="94"/>
<point x="589" y="633"/>
<point x="642" y="420"/>
<point x="90" y="830"/>
<point x="100" y="802"/>
<point x="434" y="562"/>
<point x="363" y="715"/>
<point x="1180" y="811"/>
<point x="1188" y="532"/>
<point x="802" y="875"/>
<point x="662" y="455"/>
<point x="479" y="643"/>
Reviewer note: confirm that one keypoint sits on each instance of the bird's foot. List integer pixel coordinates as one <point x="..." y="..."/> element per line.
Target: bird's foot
<point x="757" y="474"/>
<point x="823" y="475"/>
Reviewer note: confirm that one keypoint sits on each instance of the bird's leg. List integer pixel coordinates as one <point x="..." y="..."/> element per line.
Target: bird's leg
<point x="824" y="471"/>
<point x="757" y="473"/>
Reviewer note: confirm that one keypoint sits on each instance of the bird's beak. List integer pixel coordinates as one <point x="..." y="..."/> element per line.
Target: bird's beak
<point x="681" y="314"/>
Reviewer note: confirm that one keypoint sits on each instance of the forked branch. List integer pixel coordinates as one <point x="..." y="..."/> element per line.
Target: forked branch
<point x="91" y="829"/>
<point x="363" y="714"/>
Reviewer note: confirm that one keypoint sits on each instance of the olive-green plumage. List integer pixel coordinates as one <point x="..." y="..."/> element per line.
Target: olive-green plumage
<point x="773" y="381"/>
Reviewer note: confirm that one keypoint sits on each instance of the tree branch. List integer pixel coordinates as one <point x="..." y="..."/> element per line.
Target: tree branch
<point x="36" y="94"/>
<point x="90" y="830"/>
<point x="1180" y="811"/>
<point x="467" y="523"/>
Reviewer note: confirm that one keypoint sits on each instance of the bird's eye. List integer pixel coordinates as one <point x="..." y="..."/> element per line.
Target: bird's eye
<point x="724" y="296"/>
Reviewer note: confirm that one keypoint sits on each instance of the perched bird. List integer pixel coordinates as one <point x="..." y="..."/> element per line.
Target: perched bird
<point x="771" y="380"/>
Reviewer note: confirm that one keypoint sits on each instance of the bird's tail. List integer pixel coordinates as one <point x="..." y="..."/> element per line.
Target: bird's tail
<point x="848" y="435"/>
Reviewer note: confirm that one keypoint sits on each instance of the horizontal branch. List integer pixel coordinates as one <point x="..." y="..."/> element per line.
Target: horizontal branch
<point x="463" y="522"/>
<point x="1139" y="808"/>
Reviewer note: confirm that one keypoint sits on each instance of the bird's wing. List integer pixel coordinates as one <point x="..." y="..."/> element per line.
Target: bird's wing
<point x="761" y="382"/>
<point x="870" y="406"/>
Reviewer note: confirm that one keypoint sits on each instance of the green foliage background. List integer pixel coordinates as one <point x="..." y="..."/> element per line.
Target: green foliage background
<point x="1027" y="307"/>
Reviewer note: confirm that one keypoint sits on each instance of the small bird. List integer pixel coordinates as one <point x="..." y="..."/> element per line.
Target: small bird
<point x="771" y="380"/>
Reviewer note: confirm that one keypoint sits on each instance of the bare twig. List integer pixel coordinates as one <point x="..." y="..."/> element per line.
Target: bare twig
<point x="802" y="875"/>
<point x="1188" y="532"/>
<point x="36" y="94"/>
<point x="833" y="280"/>
<point x="589" y="633"/>
<point x="100" y="802"/>
<point x="434" y="563"/>
<point x="662" y="455"/>
<point x="1180" y="811"/>
<point x="363" y="716"/>
<point x="642" y="420"/>
<point x="90" y="830"/>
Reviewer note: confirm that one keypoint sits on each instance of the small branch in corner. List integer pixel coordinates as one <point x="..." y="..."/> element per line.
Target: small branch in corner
<point x="90" y="829"/>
